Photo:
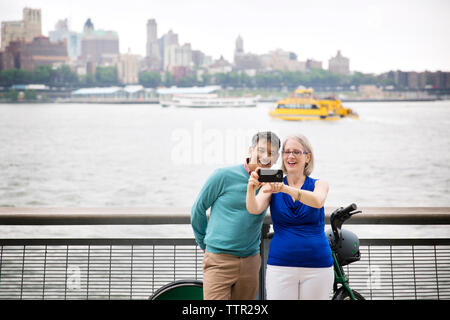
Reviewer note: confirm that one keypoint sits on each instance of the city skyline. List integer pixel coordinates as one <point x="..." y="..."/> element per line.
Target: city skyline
<point x="377" y="36"/>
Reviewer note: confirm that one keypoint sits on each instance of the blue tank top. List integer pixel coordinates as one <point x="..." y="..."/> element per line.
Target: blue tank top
<point x="299" y="232"/>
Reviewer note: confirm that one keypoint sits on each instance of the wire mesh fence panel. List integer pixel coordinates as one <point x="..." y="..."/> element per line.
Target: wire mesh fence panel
<point x="114" y="271"/>
<point x="402" y="272"/>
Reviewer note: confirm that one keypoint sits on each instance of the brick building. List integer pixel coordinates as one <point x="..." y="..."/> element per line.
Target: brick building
<point x="23" y="30"/>
<point x="29" y="55"/>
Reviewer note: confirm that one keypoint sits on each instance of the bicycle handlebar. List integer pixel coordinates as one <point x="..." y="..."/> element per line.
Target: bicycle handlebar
<point x="339" y="216"/>
<point x="349" y="209"/>
<point x="337" y="219"/>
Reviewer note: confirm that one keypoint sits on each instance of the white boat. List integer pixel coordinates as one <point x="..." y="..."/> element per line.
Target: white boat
<point x="202" y="97"/>
<point x="207" y="101"/>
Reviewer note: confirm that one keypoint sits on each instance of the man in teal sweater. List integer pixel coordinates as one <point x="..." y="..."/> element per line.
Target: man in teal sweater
<point x="231" y="236"/>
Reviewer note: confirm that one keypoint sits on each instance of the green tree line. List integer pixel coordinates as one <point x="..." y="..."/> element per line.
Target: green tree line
<point x="273" y="79"/>
<point x="63" y="76"/>
<point x="43" y="74"/>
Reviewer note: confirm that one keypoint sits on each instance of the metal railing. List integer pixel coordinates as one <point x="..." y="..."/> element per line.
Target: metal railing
<point x="135" y="268"/>
<point x="94" y="268"/>
<point x="402" y="269"/>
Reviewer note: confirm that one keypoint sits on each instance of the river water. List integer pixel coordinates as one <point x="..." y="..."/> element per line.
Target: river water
<point x="120" y="155"/>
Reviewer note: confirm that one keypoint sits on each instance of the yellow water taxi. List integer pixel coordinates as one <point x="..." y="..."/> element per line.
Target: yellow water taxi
<point x="303" y="106"/>
<point x="335" y="106"/>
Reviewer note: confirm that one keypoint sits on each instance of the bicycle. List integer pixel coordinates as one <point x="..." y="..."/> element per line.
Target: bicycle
<point x="345" y="250"/>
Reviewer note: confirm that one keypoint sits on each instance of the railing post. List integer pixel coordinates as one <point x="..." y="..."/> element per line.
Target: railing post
<point x="263" y="249"/>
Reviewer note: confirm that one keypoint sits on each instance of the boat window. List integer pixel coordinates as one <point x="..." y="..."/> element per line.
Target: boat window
<point x="297" y="106"/>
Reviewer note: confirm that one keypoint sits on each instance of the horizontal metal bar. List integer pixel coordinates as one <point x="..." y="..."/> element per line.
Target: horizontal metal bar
<point x="152" y="216"/>
<point x="93" y="216"/>
<point x="97" y="241"/>
<point x="188" y="242"/>
<point x="406" y="242"/>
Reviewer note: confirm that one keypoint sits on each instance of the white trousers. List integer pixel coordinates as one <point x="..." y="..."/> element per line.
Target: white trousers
<point x="292" y="283"/>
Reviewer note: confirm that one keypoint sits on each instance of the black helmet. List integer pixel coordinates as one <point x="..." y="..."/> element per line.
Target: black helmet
<point x="348" y="251"/>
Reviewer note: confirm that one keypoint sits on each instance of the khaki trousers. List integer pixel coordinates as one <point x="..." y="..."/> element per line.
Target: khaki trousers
<point x="228" y="277"/>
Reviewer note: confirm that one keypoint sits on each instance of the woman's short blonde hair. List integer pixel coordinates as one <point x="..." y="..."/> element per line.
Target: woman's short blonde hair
<point x="306" y="147"/>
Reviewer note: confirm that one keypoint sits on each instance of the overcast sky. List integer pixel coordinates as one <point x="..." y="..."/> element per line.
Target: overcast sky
<point x="377" y="36"/>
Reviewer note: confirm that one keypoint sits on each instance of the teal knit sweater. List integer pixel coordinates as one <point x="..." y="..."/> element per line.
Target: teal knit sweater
<point x="231" y="228"/>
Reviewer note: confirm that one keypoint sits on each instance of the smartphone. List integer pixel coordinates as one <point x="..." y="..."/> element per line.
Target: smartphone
<point x="270" y="175"/>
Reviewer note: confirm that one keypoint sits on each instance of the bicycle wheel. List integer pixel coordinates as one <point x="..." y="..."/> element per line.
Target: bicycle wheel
<point x="180" y="290"/>
<point x="343" y="294"/>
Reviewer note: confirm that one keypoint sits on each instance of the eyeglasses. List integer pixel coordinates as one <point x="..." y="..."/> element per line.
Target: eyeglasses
<point x="294" y="152"/>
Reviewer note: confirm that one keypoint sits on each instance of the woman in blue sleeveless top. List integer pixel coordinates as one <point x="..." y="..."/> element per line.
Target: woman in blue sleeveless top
<point x="300" y="265"/>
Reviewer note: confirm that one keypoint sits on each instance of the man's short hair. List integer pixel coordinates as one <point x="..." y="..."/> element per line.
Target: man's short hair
<point x="269" y="137"/>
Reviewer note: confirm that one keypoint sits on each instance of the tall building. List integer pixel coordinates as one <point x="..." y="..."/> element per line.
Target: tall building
<point x="401" y="79"/>
<point x="170" y="56"/>
<point x="73" y="39"/>
<point x="184" y="57"/>
<point x="245" y="61"/>
<point x="174" y="55"/>
<point x="153" y="46"/>
<point x="152" y="36"/>
<point x="165" y="53"/>
<point x="339" y="64"/>
<point x="239" y="48"/>
<point x="24" y="30"/>
<point x="127" y="68"/>
<point x="99" y="46"/>
<point x="177" y="56"/>
<point x="167" y="40"/>
<point x="198" y="58"/>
